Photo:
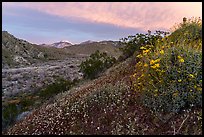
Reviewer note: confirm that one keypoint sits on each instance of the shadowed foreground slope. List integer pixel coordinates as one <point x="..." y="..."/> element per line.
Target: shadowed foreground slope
<point x="106" y="105"/>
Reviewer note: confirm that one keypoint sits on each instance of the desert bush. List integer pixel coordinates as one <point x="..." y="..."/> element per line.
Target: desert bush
<point x="133" y="43"/>
<point x="9" y="113"/>
<point x="169" y="78"/>
<point x="97" y="63"/>
<point x="58" y="86"/>
<point x="187" y="32"/>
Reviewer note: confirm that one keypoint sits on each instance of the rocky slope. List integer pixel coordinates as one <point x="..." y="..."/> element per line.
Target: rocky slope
<point x="19" y="53"/>
<point x="28" y="79"/>
<point x="87" y="48"/>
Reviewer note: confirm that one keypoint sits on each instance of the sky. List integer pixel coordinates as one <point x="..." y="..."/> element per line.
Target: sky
<point x="49" y="22"/>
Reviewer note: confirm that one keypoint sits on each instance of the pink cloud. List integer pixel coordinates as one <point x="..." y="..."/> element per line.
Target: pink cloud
<point x="143" y="15"/>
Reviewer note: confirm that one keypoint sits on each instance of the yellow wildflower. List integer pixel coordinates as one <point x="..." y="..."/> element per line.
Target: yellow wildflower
<point x="139" y="63"/>
<point x="162" y="71"/>
<point x="134" y="75"/>
<point x="139" y="56"/>
<point x="142" y="47"/>
<point x="161" y="52"/>
<point x="155" y="66"/>
<point x="151" y="62"/>
<point x="162" y="47"/>
<point x="145" y="65"/>
<point x="154" y="61"/>
<point x="145" y="51"/>
<point x="157" y="60"/>
<point x="179" y="80"/>
<point x="180" y="59"/>
<point x="191" y="75"/>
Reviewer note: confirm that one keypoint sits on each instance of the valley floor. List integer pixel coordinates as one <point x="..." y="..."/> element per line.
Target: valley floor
<point x="27" y="79"/>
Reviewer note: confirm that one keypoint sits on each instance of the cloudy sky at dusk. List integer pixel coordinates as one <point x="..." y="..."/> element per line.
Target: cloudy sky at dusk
<point x="49" y="22"/>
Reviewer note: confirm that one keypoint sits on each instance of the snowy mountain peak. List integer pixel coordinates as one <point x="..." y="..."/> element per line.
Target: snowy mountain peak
<point x="61" y="44"/>
<point x="65" y="41"/>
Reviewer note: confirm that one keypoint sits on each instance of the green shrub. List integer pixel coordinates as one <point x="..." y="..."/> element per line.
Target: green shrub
<point x="187" y="32"/>
<point x="97" y="63"/>
<point x="133" y="43"/>
<point x="9" y="114"/>
<point x="58" y="86"/>
<point x="170" y="77"/>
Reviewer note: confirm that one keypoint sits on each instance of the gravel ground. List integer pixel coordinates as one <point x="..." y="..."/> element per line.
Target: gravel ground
<point x="27" y="79"/>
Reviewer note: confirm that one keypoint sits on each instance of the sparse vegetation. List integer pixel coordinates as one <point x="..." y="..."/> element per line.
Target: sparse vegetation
<point x="58" y="86"/>
<point x="9" y="114"/>
<point x="25" y="102"/>
<point x="97" y="63"/>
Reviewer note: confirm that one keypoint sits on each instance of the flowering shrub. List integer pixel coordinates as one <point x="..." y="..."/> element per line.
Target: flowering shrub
<point x="169" y="78"/>
<point x="190" y="29"/>
<point x="133" y="43"/>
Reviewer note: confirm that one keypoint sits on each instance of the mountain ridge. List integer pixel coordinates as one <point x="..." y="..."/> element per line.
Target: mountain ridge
<point x="17" y="52"/>
<point x="60" y="44"/>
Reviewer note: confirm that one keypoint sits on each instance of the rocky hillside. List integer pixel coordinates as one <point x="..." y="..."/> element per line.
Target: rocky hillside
<point x="106" y="105"/>
<point x="89" y="47"/>
<point x="19" y="53"/>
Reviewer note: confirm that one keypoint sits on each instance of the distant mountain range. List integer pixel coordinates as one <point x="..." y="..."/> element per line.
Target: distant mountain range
<point x="60" y="44"/>
<point x="87" y="42"/>
<point x="17" y="52"/>
<point x="65" y="44"/>
<point x="89" y="47"/>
